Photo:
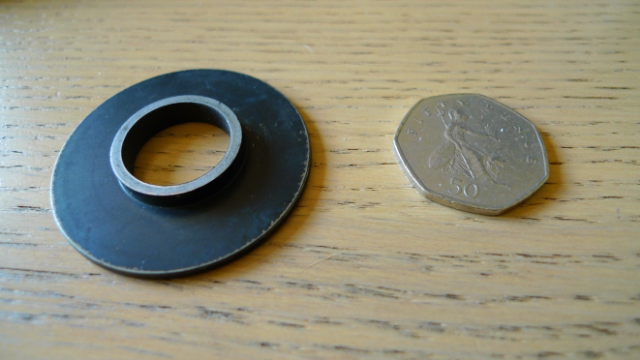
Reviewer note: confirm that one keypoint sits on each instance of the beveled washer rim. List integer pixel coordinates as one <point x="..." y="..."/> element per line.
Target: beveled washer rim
<point x="132" y="183"/>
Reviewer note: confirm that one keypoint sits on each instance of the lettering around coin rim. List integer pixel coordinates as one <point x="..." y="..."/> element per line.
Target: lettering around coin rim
<point x="472" y="153"/>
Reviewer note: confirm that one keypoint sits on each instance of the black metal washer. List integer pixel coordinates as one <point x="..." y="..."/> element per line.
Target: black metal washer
<point x="135" y="234"/>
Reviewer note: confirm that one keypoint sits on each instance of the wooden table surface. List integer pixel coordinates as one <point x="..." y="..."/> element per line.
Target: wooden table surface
<point x="364" y="267"/>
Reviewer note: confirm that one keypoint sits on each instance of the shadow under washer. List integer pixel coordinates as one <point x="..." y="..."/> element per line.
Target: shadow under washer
<point x="144" y="230"/>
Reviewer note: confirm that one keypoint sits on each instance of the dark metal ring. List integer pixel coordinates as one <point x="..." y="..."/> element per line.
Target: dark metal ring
<point x="155" y="117"/>
<point x="144" y="230"/>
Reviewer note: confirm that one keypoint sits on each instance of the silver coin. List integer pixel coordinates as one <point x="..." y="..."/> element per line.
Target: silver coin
<point x="472" y="153"/>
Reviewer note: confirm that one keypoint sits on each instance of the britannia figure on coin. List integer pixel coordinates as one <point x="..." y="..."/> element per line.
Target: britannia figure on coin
<point x="462" y="151"/>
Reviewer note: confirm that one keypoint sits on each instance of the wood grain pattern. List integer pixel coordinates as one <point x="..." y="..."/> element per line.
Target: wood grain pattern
<point x="364" y="267"/>
<point x="180" y="154"/>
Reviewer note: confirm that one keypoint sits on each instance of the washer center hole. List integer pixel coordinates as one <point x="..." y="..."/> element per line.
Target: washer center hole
<point x="180" y="154"/>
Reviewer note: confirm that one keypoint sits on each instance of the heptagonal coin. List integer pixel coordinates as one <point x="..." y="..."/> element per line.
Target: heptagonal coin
<point x="471" y="153"/>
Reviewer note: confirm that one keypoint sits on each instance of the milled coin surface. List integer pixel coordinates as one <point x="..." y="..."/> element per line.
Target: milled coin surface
<point x="472" y="153"/>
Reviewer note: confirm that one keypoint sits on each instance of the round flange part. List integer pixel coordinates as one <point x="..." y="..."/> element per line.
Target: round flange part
<point x="144" y="230"/>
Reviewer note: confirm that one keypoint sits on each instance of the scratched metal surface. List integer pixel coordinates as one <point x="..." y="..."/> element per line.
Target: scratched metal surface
<point x="365" y="267"/>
